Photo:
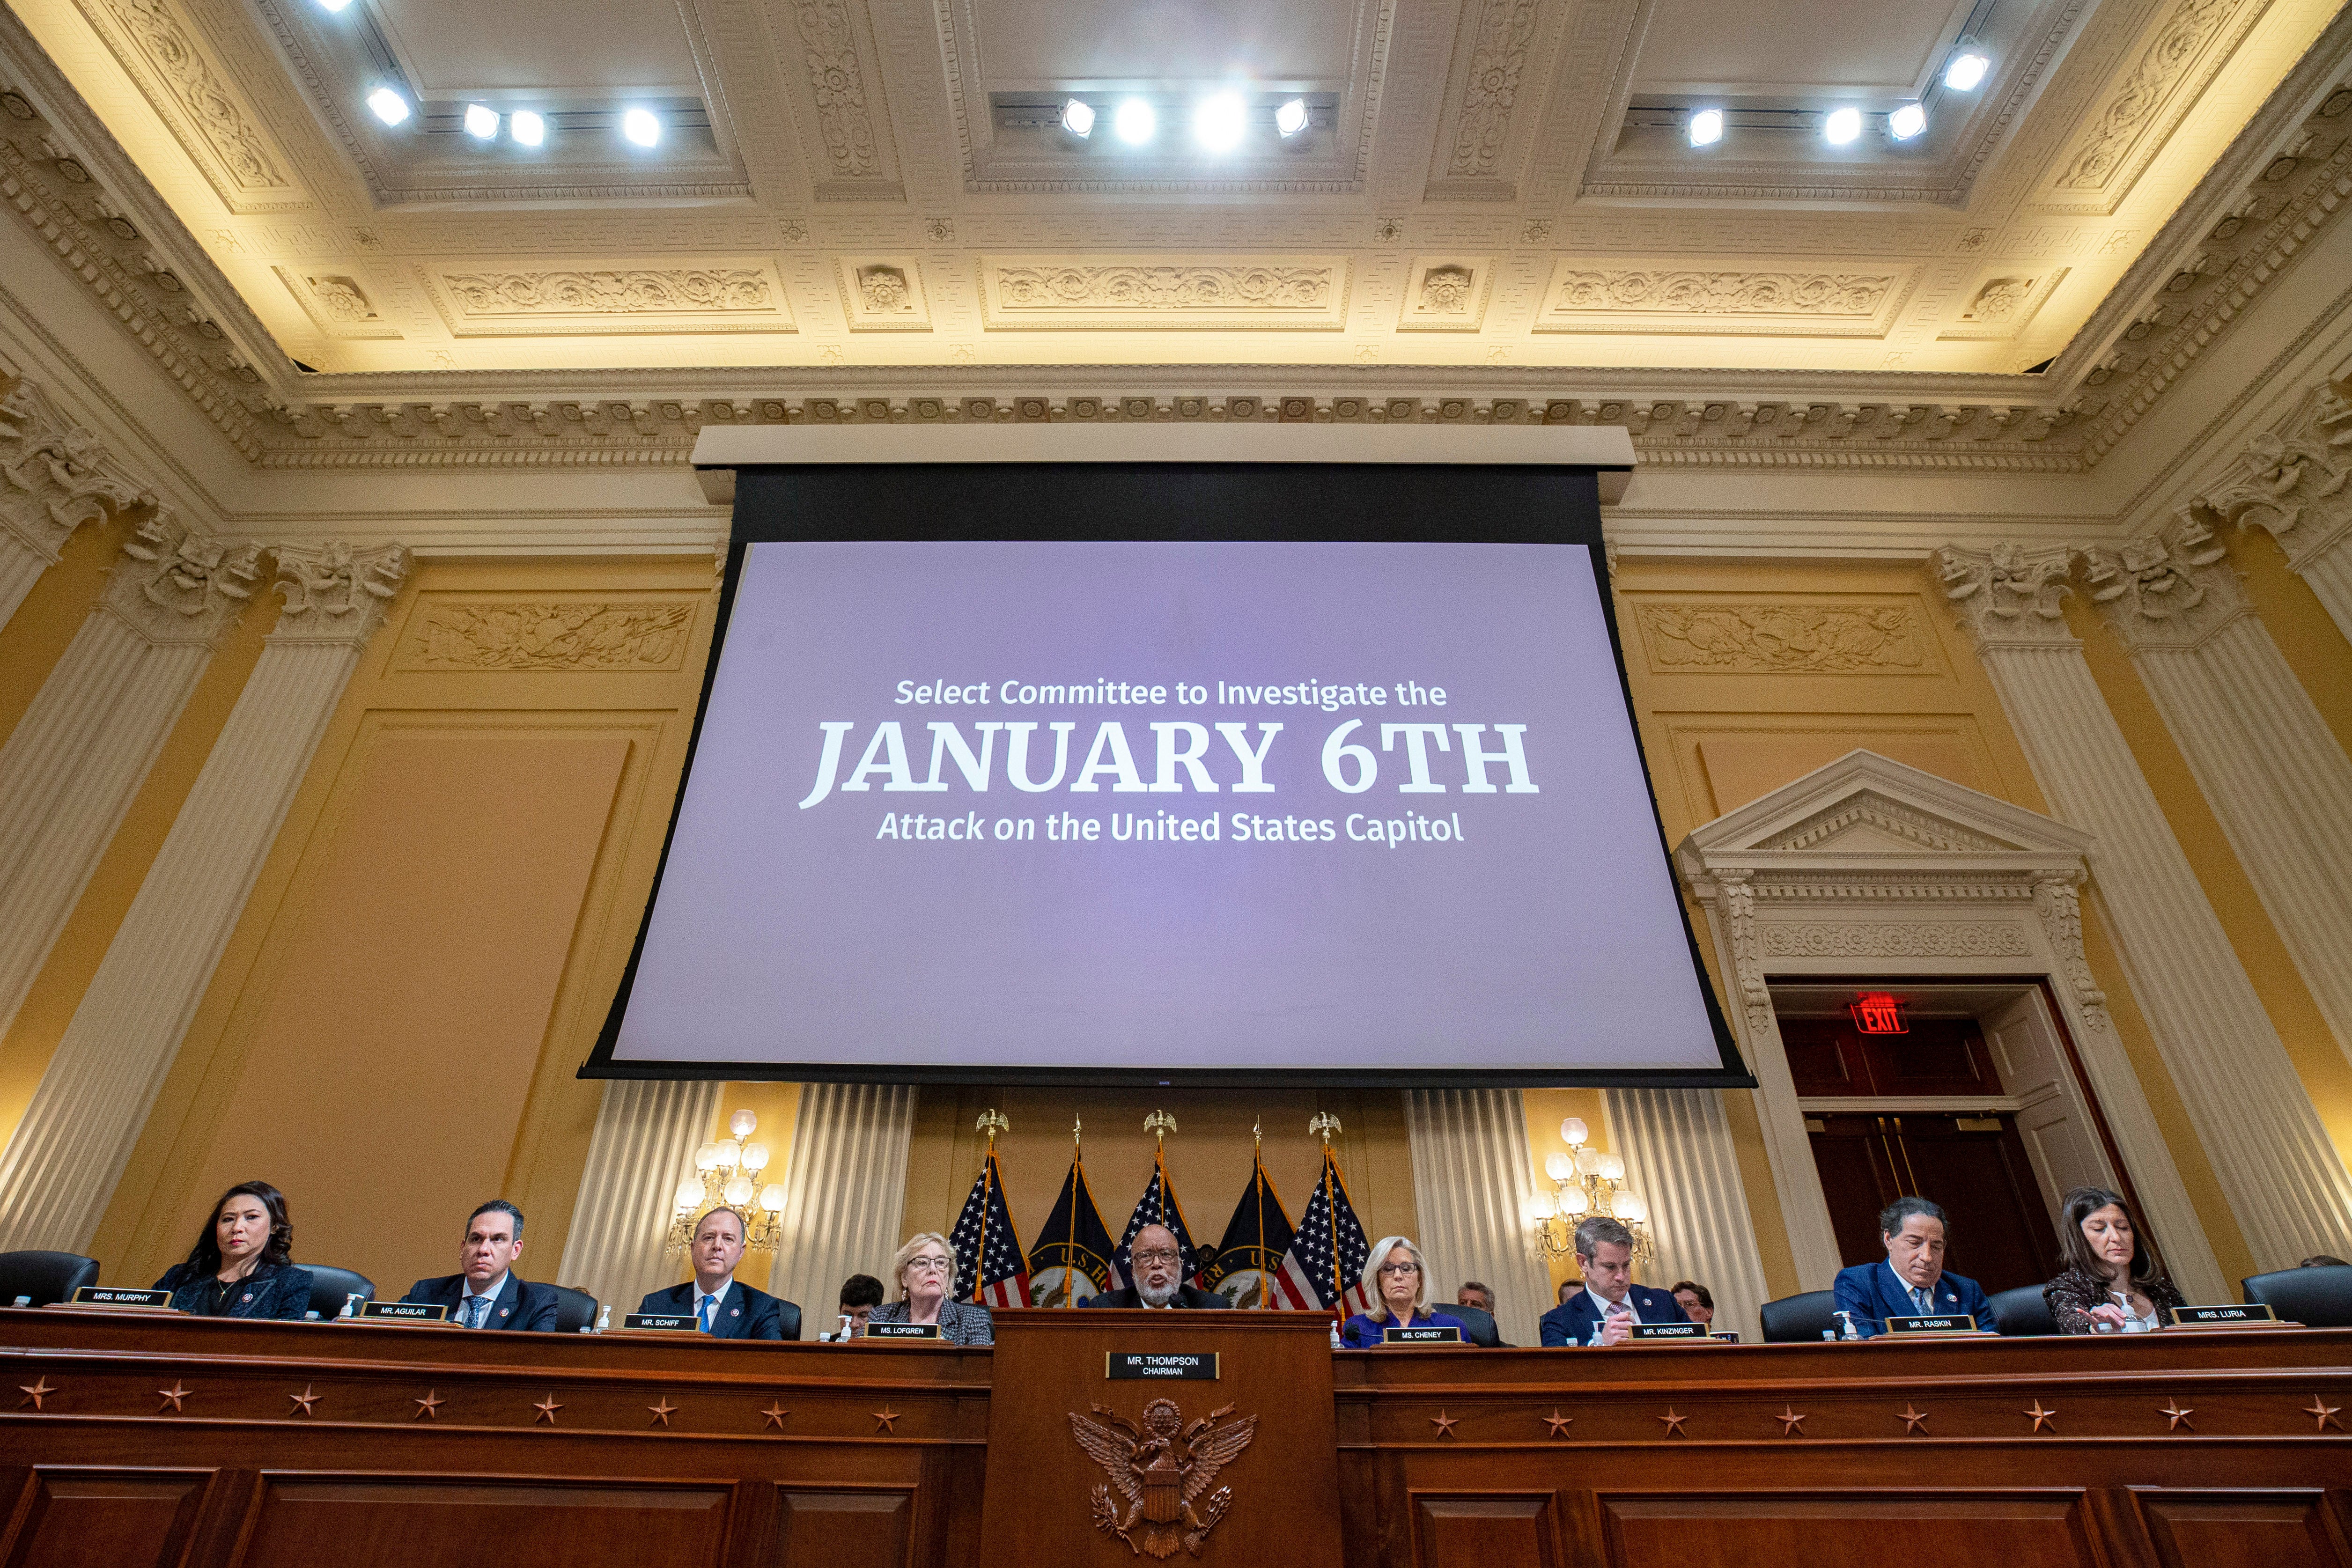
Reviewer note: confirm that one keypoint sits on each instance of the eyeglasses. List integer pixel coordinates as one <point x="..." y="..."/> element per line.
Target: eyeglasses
<point x="1149" y="1258"/>
<point x="929" y="1265"/>
<point x="1399" y="1268"/>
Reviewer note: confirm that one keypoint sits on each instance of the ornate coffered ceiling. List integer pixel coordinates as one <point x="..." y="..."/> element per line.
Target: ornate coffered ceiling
<point x="1486" y="222"/>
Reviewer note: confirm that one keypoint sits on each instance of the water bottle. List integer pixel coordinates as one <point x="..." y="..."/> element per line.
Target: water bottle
<point x="24" y="1301"/>
<point x="311" y="1316"/>
<point x="603" y="1318"/>
<point x="1830" y="1334"/>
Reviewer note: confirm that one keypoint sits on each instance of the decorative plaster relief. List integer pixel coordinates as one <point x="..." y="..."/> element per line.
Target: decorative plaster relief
<point x="1279" y="292"/>
<point x="1882" y="816"/>
<point x="455" y="632"/>
<point x="1874" y="939"/>
<point x="54" y="475"/>
<point x="189" y="91"/>
<point x="177" y="585"/>
<point x="1667" y="297"/>
<point x="2009" y="594"/>
<point x="1781" y="639"/>
<point x="2170" y="589"/>
<point x="883" y="293"/>
<point x="2132" y="123"/>
<point x="844" y="118"/>
<point x="335" y="593"/>
<point x="337" y="302"/>
<point x="2004" y="305"/>
<point x="1505" y="31"/>
<point x="1447" y="294"/>
<point x="2294" y="479"/>
<point x="653" y="298"/>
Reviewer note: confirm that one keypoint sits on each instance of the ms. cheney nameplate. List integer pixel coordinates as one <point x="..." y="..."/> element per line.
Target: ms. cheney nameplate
<point x="405" y="1311"/>
<point x="1189" y="1364"/>
<point x="1933" y="1323"/>
<point x="1430" y="1334"/>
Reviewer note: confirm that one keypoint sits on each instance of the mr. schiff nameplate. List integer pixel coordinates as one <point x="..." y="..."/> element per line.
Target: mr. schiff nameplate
<point x="663" y="1322"/>
<point x="1429" y="1334"/>
<point x="405" y="1313"/>
<point x="1933" y="1323"/>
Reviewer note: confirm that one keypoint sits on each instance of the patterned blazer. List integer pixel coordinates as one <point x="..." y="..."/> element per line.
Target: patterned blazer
<point x="2073" y="1294"/>
<point x="960" y="1322"/>
<point x="271" y="1290"/>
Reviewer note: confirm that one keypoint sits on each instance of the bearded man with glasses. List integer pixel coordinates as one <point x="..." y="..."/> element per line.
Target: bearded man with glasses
<point x="1156" y="1264"/>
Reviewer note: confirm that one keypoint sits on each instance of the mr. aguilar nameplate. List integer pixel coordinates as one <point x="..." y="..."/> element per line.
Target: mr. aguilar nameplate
<point x="900" y="1331"/>
<point x="1669" y="1330"/>
<point x="110" y="1296"/>
<point x="666" y="1322"/>
<point x="1432" y="1334"/>
<point x="405" y="1311"/>
<point x="1933" y="1323"/>
<point x="1195" y="1367"/>
<point x="2223" y="1317"/>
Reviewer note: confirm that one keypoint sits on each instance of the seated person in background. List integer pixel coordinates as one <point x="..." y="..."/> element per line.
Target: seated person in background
<point x="485" y="1293"/>
<point x="860" y="1294"/>
<point x="925" y="1271"/>
<point x="725" y="1306"/>
<point x="1477" y="1294"/>
<point x="1156" y="1268"/>
<point x="1398" y="1286"/>
<point x="2110" y="1282"/>
<point x="1696" y="1301"/>
<point x="1566" y="1289"/>
<point x="1606" y="1310"/>
<point x="2321" y="1260"/>
<point x="1911" y="1282"/>
<point x="242" y="1265"/>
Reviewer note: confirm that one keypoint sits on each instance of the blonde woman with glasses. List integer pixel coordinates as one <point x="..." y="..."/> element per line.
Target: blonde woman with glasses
<point x="924" y="1272"/>
<point x="1398" y="1283"/>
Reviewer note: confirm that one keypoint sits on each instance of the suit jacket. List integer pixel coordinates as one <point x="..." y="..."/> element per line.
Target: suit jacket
<point x="271" y="1290"/>
<point x="1186" y="1296"/>
<point x="521" y="1304"/>
<point x="742" y="1313"/>
<point x="1873" y="1294"/>
<point x="2073" y="1294"/>
<point x="1574" y="1320"/>
<point x="960" y="1322"/>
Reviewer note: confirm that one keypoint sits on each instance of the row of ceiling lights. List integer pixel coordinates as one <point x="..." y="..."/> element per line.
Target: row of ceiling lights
<point x="1219" y="121"/>
<point x="1840" y="126"/>
<point x="642" y="127"/>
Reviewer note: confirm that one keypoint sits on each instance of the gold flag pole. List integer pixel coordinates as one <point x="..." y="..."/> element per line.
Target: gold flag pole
<point x="1160" y="1124"/>
<point x="1258" y="1195"/>
<point x="1325" y="1124"/>
<point x="1070" y="1253"/>
<point x="991" y="1121"/>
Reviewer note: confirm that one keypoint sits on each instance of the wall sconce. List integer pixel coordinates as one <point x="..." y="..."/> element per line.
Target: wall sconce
<point x="1587" y="1181"/>
<point x="726" y="1173"/>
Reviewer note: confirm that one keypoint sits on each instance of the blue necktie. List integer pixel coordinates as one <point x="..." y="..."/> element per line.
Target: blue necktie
<point x="470" y="1311"/>
<point x="1925" y="1302"/>
<point x="707" y="1303"/>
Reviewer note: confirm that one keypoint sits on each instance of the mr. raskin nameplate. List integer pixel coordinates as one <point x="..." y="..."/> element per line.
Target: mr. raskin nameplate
<point x="110" y="1296"/>
<point x="1668" y="1330"/>
<point x="1431" y="1334"/>
<point x="2223" y="1317"/>
<point x="900" y="1331"/>
<point x="667" y="1323"/>
<point x="405" y="1311"/>
<point x="1193" y="1365"/>
<point x="1933" y="1323"/>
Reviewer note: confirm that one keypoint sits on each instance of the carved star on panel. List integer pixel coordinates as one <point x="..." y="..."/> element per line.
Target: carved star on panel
<point x="547" y="1408"/>
<point x="1558" y="1423"/>
<point x="663" y="1411"/>
<point x="2318" y="1407"/>
<point x="1674" y="1422"/>
<point x="2041" y="1417"/>
<point x="1913" y="1420"/>
<point x="1790" y="1422"/>
<point x="2177" y="1415"/>
<point x="1443" y="1423"/>
<point x="173" y="1395"/>
<point x="304" y="1400"/>
<point x="41" y="1388"/>
<point x="430" y="1404"/>
<point x="775" y="1413"/>
<point x="885" y="1420"/>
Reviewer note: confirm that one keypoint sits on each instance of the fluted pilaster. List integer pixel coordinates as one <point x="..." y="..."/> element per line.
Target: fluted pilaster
<point x="2295" y="480"/>
<point x="1677" y="1144"/>
<point x="647" y="1132"/>
<point x="1471" y="1188"/>
<point x="845" y="1192"/>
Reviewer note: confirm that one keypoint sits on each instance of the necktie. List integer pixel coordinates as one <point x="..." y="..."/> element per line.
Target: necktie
<point x="471" y="1312"/>
<point x="1926" y="1303"/>
<point x="708" y="1301"/>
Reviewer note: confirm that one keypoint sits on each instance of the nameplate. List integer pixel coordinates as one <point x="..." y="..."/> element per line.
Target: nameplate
<point x="1933" y="1323"/>
<point x="2223" y="1317"/>
<point x="1433" y="1333"/>
<point x="1668" y="1330"/>
<point x="1193" y="1366"/>
<point x="404" y="1311"/>
<point x="1724" y="1337"/>
<point x="110" y="1296"/>
<point x="900" y="1331"/>
<point x="667" y="1323"/>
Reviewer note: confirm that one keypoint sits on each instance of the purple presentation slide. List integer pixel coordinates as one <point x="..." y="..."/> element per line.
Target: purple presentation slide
<point x="1157" y="806"/>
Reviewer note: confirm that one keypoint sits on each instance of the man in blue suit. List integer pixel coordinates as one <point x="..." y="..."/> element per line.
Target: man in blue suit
<point x="726" y="1307"/>
<point x="1606" y="1310"/>
<point x="485" y="1293"/>
<point x="1911" y="1283"/>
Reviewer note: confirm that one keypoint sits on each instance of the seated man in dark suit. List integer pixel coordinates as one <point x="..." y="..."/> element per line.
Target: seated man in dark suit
<point x="1911" y="1282"/>
<point x="485" y="1293"/>
<point x="726" y="1307"/>
<point x="1156" y="1263"/>
<point x="1606" y="1310"/>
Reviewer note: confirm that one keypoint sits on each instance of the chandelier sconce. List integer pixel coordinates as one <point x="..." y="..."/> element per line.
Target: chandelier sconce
<point x="1587" y="1181"/>
<point x="727" y="1172"/>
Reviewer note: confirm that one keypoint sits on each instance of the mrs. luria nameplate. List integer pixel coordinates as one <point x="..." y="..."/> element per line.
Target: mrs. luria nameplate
<point x="901" y="1331"/>
<point x="1432" y="1334"/>
<point x="2223" y="1317"/>
<point x="1933" y="1323"/>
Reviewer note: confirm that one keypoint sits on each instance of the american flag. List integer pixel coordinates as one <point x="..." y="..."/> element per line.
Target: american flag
<point x="990" y="1265"/>
<point x="1324" y="1265"/>
<point x="1247" y="1267"/>
<point x="1158" y="1206"/>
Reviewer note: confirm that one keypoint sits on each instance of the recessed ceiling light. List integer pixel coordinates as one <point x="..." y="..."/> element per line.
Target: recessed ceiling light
<point x="1841" y="126"/>
<point x="640" y="126"/>
<point x="1218" y="122"/>
<point x="1291" y="118"/>
<point x="481" y="123"/>
<point x="1135" y="122"/>
<point x="1966" y="71"/>
<point x="389" y="106"/>
<point x="1906" y="122"/>
<point x="1706" y="128"/>
<point x="527" y="128"/>
<point x="1078" y="118"/>
<point x="333" y="5"/>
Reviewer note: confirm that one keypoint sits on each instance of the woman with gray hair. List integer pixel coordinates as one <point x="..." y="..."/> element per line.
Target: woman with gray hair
<point x="923" y="1272"/>
<point x="1398" y="1283"/>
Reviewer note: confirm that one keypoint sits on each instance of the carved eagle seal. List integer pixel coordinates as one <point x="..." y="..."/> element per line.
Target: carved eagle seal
<point x="1162" y="1467"/>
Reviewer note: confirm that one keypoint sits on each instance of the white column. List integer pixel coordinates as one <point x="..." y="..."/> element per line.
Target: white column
<point x="2273" y="772"/>
<point x="1677" y="1144"/>
<point x="2296" y="481"/>
<point x="60" y="1167"/>
<point x="2284" y="1180"/>
<point x="845" y="1194"/>
<point x="70" y="766"/>
<point x="54" y="477"/>
<point x="1471" y="1190"/>
<point x="647" y="1132"/>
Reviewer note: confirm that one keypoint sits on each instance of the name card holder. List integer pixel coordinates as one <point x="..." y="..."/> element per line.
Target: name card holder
<point x="1433" y="1333"/>
<point x="1191" y="1366"/>
<point x="111" y="1297"/>
<point x="1653" y="1334"/>
<point x="2256" y="1315"/>
<point x="403" y="1313"/>
<point x="1933" y="1324"/>
<point x="1724" y="1337"/>
<point x="658" y="1323"/>
<point x="902" y="1332"/>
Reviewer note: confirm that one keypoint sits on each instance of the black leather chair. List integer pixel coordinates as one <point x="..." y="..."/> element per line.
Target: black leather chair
<point x="2020" y="1312"/>
<point x="788" y="1319"/>
<point x="1477" y="1325"/>
<point x="2317" y="1298"/>
<point x="1793" y="1318"/>
<point x="577" y="1310"/>
<point x="44" y="1277"/>
<point x="329" y="1288"/>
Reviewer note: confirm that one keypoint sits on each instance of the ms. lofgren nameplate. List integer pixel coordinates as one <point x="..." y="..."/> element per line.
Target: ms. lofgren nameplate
<point x="1190" y="1365"/>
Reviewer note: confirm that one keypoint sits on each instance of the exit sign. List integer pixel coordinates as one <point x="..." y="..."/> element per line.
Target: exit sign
<point x="1875" y="1012"/>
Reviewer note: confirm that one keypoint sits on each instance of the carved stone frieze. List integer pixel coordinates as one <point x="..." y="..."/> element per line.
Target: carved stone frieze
<point x="884" y="293"/>
<point x="174" y="584"/>
<point x="613" y="300"/>
<point x="163" y="53"/>
<point x="1738" y="893"/>
<point x="54" y="475"/>
<point x="599" y="636"/>
<point x="335" y="592"/>
<point x="2295" y="479"/>
<point x="1505" y="30"/>
<point x="1881" y="939"/>
<point x="2057" y="900"/>
<point x="2170" y="589"/>
<point x="1668" y="298"/>
<point x="1888" y="818"/>
<point x="1781" y="639"/>
<point x="1285" y="293"/>
<point x="836" y="76"/>
<point x="2138" y="110"/>
<point x="2010" y="594"/>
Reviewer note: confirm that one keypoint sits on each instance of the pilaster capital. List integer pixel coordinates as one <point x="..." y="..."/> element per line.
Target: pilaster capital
<point x="2170" y="589"/>
<point x="335" y="592"/>
<point x="54" y="475"/>
<point x="2294" y="478"/>
<point x="2011" y="595"/>
<point x="177" y="585"/>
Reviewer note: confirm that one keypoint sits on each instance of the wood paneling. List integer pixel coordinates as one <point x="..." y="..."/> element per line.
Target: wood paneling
<point x="1849" y="1531"/>
<point x="418" y="1522"/>
<point x="822" y="1529"/>
<point x="68" y="1517"/>
<point x="2283" y="1529"/>
<point x="1457" y="1531"/>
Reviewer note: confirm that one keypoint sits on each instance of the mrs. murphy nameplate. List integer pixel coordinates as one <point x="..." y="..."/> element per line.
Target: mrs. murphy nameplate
<point x="116" y="1296"/>
<point x="1191" y="1366"/>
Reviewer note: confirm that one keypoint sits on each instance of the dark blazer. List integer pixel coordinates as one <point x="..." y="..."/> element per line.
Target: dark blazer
<point x="271" y="1290"/>
<point x="1574" y="1320"/>
<point x="521" y="1304"/>
<point x="1873" y="1294"/>
<point x="2073" y="1294"/>
<point x="1186" y="1296"/>
<point x="742" y="1313"/>
<point x="960" y="1322"/>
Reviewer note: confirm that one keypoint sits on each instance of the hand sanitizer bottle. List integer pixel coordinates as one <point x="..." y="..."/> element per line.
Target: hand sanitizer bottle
<point x="1335" y="1335"/>
<point x="1849" y="1332"/>
<point x="603" y="1318"/>
<point x="350" y="1307"/>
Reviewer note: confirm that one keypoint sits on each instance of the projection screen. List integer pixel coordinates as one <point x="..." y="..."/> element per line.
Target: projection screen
<point x="1203" y="773"/>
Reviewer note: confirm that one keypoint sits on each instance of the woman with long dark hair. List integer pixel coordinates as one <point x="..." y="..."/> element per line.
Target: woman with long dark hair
<point x="242" y="1265"/>
<point x="2112" y="1282"/>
